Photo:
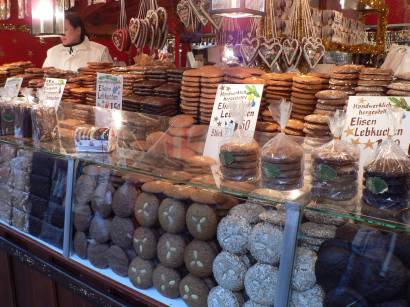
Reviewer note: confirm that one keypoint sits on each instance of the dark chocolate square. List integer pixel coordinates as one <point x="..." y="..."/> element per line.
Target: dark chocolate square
<point x="43" y="164"/>
<point x="38" y="207"/>
<point x="40" y="186"/>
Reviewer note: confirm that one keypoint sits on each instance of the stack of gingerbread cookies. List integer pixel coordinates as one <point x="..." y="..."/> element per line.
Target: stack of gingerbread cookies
<point x="278" y="85"/>
<point x="373" y="81"/>
<point x="400" y="86"/>
<point x="303" y="95"/>
<point x="240" y="162"/>
<point x="191" y="92"/>
<point x="329" y="101"/>
<point x="345" y="78"/>
<point x="317" y="130"/>
<point x="211" y="77"/>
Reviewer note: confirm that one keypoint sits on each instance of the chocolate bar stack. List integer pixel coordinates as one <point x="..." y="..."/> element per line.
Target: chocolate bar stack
<point x="47" y="194"/>
<point x="79" y="94"/>
<point x="146" y="88"/>
<point x="174" y="75"/>
<point x="156" y="73"/>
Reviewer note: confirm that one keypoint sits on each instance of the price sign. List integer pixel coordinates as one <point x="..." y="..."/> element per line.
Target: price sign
<point x="109" y="91"/>
<point x="53" y="90"/>
<point x="13" y="86"/>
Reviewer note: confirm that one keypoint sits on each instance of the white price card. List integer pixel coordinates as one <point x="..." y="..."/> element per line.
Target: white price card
<point x="222" y="123"/>
<point x="53" y="90"/>
<point x="109" y="91"/>
<point x="12" y="86"/>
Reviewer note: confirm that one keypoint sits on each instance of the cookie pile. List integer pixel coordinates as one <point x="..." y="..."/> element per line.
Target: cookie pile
<point x="282" y="165"/>
<point x="240" y="162"/>
<point x="334" y="173"/>
<point x="329" y="101"/>
<point x="91" y="97"/>
<point x="294" y="127"/>
<point x="278" y="85"/>
<point x="316" y="128"/>
<point x="80" y="94"/>
<point x="386" y="187"/>
<point x="345" y="78"/>
<point x="156" y="73"/>
<point x="191" y="92"/>
<point x="303" y="95"/>
<point x="400" y="86"/>
<point x="236" y="75"/>
<point x="146" y="88"/>
<point x="211" y="77"/>
<point x="324" y="76"/>
<point x="373" y="81"/>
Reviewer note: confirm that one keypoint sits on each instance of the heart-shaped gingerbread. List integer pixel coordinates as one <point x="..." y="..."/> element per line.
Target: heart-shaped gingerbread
<point x="216" y="21"/>
<point x="313" y="53"/>
<point x="121" y="39"/>
<point x="270" y="53"/>
<point x="290" y="50"/>
<point x="249" y="49"/>
<point x="134" y="27"/>
<point x="184" y="11"/>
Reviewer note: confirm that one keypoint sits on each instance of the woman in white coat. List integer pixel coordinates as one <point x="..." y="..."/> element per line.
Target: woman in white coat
<point x="76" y="49"/>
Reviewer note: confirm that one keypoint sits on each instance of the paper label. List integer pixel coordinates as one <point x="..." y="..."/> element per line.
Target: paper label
<point x="53" y="90"/>
<point x="109" y="91"/>
<point x="222" y="124"/>
<point x="367" y="123"/>
<point x="13" y="86"/>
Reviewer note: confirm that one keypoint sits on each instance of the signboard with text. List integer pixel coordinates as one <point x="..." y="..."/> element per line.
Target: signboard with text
<point x="367" y="123"/>
<point x="109" y="91"/>
<point x="222" y="123"/>
<point x="13" y="86"/>
<point x="53" y="90"/>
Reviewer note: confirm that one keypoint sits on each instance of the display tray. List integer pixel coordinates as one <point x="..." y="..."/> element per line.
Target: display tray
<point x="152" y="293"/>
<point x="49" y="246"/>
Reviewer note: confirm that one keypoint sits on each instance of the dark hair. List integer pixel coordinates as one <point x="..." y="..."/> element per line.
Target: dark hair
<point x="76" y="22"/>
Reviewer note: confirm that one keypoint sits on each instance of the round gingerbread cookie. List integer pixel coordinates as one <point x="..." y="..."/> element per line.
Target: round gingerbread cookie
<point x="82" y="217"/>
<point x="221" y="297"/>
<point x="181" y="121"/>
<point x="118" y="260"/>
<point x="201" y="221"/>
<point x="84" y="189"/>
<point x="140" y="273"/>
<point x="166" y="281"/>
<point x="100" y="229"/>
<point x="146" y="209"/>
<point x="198" y="258"/>
<point x="250" y="211"/>
<point x="98" y="254"/>
<point x="233" y="234"/>
<point x="331" y="94"/>
<point x="124" y="200"/>
<point x="170" y="250"/>
<point x="229" y="271"/>
<point x="304" y="277"/>
<point x="194" y="291"/>
<point x="121" y="231"/>
<point x="171" y="215"/>
<point x="260" y="283"/>
<point x="145" y="243"/>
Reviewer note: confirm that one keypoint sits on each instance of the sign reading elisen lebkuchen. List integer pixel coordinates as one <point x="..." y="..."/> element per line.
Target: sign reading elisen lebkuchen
<point x="367" y="123"/>
<point x="223" y="124"/>
<point x="109" y="91"/>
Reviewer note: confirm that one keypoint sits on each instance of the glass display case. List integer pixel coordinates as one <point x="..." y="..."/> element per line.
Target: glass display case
<point x="156" y="218"/>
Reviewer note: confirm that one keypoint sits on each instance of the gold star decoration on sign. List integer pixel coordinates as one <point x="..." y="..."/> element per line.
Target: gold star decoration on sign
<point x="368" y="144"/>
<point x="349" y="131"/>
<point x="355" y="141"/>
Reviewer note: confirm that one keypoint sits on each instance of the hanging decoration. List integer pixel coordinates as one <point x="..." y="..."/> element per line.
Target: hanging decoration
<point x="4" y="9"/>
<point x="121" y="37"/>
<point x="47" y="17"/>
<point x="303" y="33"/>
<point x="238" y="8"/>
<point x="149" y="28"/>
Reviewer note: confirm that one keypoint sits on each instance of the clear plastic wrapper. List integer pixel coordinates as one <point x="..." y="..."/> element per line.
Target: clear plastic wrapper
<point x="19" y="219"/>
<point x="5" y="203"/>
<point x="282" y="157"/>
<point x="387" y="178"/>
<point x="19" y="180"/>
<point x="7" y="152"/>
<point x="22" y="115"/>
<point x="44" y="120"/>
<point x="335" y="167"/>
<point x="239" y="154"/>
<point x="94" y="139"/>
<point x="7" y="118"/>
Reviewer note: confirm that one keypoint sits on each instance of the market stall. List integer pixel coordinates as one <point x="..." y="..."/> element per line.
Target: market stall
<point x="231" y="155"/>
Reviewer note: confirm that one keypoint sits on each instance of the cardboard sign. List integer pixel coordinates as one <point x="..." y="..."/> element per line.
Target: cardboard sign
<point x="367" y="123"/>
<point x="13" y="86"/>
<point x="109" y="91"/>
<point x="222" y="123"/>
<point x="53" y="90"/>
